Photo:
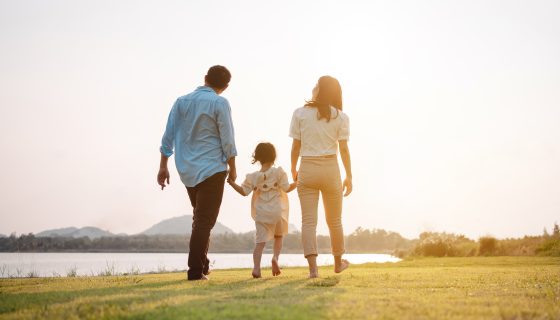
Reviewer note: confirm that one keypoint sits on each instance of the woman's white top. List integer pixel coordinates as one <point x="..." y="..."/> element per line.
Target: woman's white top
<point x="319" y="137"/>
<point x="270" y="201"/>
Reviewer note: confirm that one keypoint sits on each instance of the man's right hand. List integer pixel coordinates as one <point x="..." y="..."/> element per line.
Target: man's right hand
<point x="232" y="175"/>
<point x="162" y="176"/>
<point x="232" y="172"/>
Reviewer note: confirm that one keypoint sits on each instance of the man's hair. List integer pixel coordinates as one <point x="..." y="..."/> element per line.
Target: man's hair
<point x="218" y="77"/>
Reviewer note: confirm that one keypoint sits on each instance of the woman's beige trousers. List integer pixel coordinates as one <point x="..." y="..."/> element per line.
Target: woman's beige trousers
<point x="320" y="175"/>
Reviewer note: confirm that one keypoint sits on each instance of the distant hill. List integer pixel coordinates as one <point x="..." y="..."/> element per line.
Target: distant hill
<point x="3" y="236"/>
<point x="181" y="225"/>
<point x="73" y="232"/>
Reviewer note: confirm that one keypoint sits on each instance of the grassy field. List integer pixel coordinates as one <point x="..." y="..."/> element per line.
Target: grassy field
<point x="443" y="288"/>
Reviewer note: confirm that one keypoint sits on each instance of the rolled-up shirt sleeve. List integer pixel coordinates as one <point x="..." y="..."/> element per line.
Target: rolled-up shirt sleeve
<point x="168" y="140"/>
<point x="225" y="125"/>
<point x="295" y="131"/>
<point x="344" y="130"/>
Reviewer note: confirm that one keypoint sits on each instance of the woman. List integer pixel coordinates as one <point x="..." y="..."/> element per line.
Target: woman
<point x="318" y="129"/>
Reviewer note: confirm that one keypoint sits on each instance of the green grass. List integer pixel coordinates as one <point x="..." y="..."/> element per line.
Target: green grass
<point x="444" y="288"/>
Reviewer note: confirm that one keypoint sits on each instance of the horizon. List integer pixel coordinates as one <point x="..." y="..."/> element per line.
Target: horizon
<point x="453" y="108"/>
<point x="291" y="224"/>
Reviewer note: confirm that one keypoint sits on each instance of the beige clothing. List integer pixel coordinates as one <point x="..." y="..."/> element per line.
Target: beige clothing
<point x="269" y="203"/>
<point x="320" y="175"/>
<point x="319" y="137"/>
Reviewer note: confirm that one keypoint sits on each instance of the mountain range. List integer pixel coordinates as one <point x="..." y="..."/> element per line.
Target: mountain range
<point x="181" y="225"/>
<point x="73" y="232"/>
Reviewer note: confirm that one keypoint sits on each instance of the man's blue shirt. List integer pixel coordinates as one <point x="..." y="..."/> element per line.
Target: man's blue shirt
<point x="200" y="130"/>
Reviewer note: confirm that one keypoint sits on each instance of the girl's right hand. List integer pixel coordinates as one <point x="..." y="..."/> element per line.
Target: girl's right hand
<point x="294" y="174"/>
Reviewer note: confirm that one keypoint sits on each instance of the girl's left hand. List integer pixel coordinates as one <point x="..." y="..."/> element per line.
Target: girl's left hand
<point x="347" y="186"/>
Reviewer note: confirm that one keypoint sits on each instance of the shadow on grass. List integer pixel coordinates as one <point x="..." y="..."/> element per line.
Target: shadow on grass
<point x="271" y="298"/>
<point x="260" y="299"/>
<point x="14" y="301"/>
<point x="165" y="298"/>
<point x="324" y="282"/>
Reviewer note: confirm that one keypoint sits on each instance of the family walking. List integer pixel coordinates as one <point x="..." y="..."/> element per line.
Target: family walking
<point x="200" y="133"/>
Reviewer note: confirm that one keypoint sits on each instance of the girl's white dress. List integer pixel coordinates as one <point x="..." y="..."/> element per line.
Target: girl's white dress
<point x="269" y="204"/>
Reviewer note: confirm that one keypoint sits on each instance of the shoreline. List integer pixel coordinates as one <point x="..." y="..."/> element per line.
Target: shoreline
<point x="48" y="264"/>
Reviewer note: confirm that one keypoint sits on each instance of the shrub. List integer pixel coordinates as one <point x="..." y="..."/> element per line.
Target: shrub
<point x="487" y="246"/>
<point x="549" y="248"/>
<point x="443" y="244"/>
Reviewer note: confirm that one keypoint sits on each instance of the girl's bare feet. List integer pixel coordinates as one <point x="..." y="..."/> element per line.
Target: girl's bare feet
<point x="256" y="273"/>
<point x="314" y="274"/>
<point x="257" y="255"/>
<point x="275" y="267"/>
<point x="343" y="265"/>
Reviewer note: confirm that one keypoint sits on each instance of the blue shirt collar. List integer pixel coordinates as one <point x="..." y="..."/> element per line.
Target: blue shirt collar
<point x="205" y="88"/>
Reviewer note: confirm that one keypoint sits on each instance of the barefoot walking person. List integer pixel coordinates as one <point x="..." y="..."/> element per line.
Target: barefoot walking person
<point x="269" y="205"/>
<point x="200" y="130"/>
<point x="319" y="129"/>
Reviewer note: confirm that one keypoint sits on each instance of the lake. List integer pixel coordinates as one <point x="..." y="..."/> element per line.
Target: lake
<point x="92" y="264"/>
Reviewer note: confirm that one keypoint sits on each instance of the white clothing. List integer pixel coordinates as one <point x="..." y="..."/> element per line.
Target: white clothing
<point x="269" y="204"/>
<point x="319" y="137"/>
<point x="266" y="231"/>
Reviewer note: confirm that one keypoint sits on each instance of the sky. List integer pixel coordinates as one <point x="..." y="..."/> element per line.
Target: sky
<point x="454" y="107"/>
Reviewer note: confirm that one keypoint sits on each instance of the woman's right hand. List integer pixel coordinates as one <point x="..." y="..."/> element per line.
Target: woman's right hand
<point x="347" y="186"/>
<point x="294" y="174"/>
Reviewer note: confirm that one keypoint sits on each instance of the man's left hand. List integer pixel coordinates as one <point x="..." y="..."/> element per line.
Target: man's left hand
<point x="162" y="176"/>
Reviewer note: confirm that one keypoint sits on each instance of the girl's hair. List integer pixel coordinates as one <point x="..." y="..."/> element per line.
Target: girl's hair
<point x="264" y="153"/>
<point x="330" y="94"/>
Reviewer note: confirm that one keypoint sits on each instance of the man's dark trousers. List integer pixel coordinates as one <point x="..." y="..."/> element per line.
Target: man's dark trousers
<point x="206" y="198"/>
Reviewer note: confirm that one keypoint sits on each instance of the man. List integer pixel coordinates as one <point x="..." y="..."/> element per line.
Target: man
<point x="201" y="131"/>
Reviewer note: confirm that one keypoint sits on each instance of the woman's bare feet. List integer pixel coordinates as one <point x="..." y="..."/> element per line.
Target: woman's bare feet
<point x="313" y="269"/>
<point x="341" y="266"/>
<point x="256" y="273"/>
<point x="275" y="267"/>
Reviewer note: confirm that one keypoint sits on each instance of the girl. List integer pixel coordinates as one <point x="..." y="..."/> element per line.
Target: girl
<point x="269" y="205"/>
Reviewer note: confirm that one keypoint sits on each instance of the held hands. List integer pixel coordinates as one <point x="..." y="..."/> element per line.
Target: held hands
<point x="294" y="174"/>
<point x="232" y="175"/>
<point x="235" y="186"/>
<point x="347" y="186"/>
<point x="163" y="175"/>
<point x="293" y="185"/>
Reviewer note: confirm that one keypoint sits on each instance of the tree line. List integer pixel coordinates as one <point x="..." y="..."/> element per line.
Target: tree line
<point x="437" y="244"/>
<point x="361" y="240"/>
<point x="441" y="244"/>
